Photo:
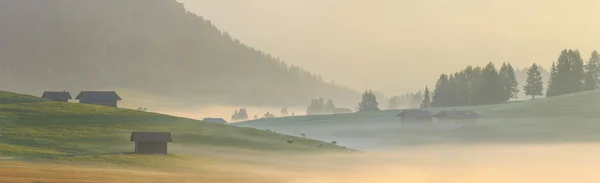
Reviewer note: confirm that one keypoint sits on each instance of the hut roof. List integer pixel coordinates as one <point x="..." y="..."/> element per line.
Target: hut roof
<point x="214" y="120"/>
<point x="457" y="114"/>
<point x="98" y="95"/>
<point x="57" y="95"/>
<point x="151" y="137"/>
<point x="419" y="113"/>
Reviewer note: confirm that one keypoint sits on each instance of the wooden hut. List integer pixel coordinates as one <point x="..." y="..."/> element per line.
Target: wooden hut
<point x="59" y="96"/>
<point x="151" y="142"/>
<point x="457" y="117"/>
<point x="411" y="116"/>
<point x="105" y="98"/>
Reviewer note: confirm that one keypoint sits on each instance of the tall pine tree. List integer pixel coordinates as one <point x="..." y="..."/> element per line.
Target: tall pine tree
<point x="509" y="81"/>
<point x="488" y="88"/>
<point x="426" y="99"/>
<point x="592" y="72"/>
<point x="534" y="86"/>
<point x="442" y="92"/>
<point x="577" y="71"/>
<point x="368" y="102"/>
<point x="561" y="75"/>
<point x="550" y="90"/>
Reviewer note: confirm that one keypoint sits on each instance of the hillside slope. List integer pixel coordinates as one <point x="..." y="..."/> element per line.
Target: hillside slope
<point x="568" y="118"/>
<point x="35" y="128"/>
<point x="152" y="46"/>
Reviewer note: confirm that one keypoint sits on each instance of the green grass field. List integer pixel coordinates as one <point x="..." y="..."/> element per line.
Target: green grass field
<point x="568" y="118"/>
<point x="37" y="129"/>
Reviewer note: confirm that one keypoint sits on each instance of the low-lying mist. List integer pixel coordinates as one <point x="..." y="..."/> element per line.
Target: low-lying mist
<point x="225" y="112"/>
<point x="450" y="164"/>
<point x="429" y="164"/>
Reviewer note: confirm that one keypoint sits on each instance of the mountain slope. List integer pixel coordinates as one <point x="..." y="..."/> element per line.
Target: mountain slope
<point x="153" y="46"/>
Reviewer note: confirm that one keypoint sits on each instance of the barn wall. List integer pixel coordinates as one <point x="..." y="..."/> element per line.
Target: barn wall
<point x="457" y="121"/>
<point x="409" y="120"/>
<point x="111" y="103"/>
<point x="59" y="100"/>
<point x="151" y="147"/>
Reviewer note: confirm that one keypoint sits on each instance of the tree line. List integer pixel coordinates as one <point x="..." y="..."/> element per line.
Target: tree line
<point x="489" y="85"/>
<point x="408" y="100"/>
<point x="318" y="106"/>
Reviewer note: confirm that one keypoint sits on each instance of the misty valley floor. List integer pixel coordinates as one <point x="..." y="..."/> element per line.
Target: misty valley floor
<point x="515" y="142"/>
<point x="565" y="119"/>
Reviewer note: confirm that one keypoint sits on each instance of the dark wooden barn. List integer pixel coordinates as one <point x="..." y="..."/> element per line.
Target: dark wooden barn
<point x="60" y="96"/>
<point x="105" y="98"/>
<point x="457" y="117"/>
<point x="215" y="120"/>
<point x="151" y="142"/>
<point x="411" y="116"/>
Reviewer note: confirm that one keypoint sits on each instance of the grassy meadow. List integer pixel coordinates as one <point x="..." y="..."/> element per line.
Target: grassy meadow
<point x="35" y="129"/>
<point x="562" y="119"/>
<point x="53" y="142"/>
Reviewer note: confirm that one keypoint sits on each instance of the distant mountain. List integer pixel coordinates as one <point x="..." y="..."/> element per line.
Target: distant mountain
<point x="153" y="46"/>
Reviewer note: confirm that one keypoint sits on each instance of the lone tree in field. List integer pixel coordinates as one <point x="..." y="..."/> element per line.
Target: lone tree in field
<point x="535" y="85"/>
<point x="427" y="99"/>
<point x="368" y="102"/>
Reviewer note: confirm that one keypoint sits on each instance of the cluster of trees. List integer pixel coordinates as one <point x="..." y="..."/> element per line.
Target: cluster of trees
<point x="569" y="74"/>
<point x="475" y="86"/>
<point x="488" y="85"/>
<point x="318" y="106"/>
<point x="368" y="102"/>
<point x="241" y="114"/>
<point x="284" y="112"/>
<point x="409" y="100"/>
<point x="269" y="115"/>
<point x="156" y="47"/>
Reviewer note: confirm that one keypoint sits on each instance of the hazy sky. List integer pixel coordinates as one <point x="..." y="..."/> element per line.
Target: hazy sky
<point x="402" y="45"/>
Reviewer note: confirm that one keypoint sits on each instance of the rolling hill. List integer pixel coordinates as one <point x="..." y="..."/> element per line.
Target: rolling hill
<point x="561" y="119"/>
<point x="150" y="46"/>
<point x="37" y="129"/>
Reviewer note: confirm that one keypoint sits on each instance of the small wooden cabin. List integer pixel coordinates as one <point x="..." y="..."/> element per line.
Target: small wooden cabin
<point x="105" y="98"/>
<point x="59" y="96"/>
<point x="151" y="142"/>
<point x="457" y="117"/>
<point x="215" y="120"/>
<point x="411" y="116"/>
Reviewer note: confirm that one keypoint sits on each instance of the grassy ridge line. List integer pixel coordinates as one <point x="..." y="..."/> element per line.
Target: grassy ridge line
<point x="35" y="128"/>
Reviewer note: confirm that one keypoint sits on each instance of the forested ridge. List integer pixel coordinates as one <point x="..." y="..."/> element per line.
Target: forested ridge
<point x="154" y="46"/>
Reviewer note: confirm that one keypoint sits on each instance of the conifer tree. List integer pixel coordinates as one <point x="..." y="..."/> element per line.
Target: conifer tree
<point x="534" y="86"/>
<point x="488" y="88"/>
<point x="592" y="72"/>
<point x="329" y="107"/>
<point x="426" y="99"/>
<point x="509" y="81"/>
<point x="284" y="112"/>
<point x="442" y="93"/>
<point x="550" y="90"/>
<point x="368" y="102"/>
<point x="577" y="72"/>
